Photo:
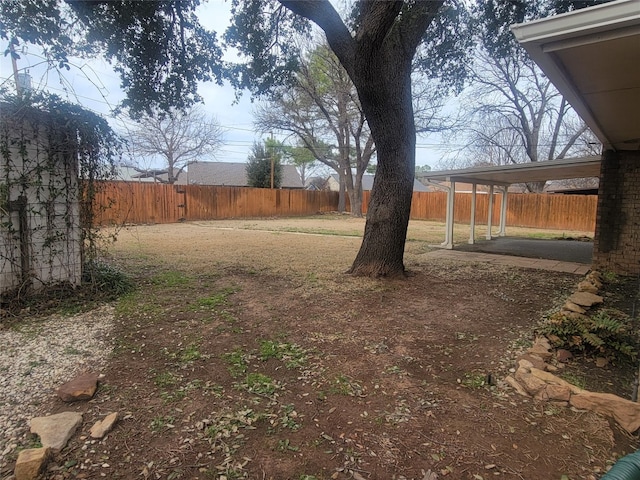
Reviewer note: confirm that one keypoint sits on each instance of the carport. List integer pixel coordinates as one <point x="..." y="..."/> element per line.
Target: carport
<point x="592" y="56"/>
<point x="498" y="178"/>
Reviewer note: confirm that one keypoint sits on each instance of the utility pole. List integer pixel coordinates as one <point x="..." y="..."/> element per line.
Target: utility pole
<point x="14" y="64"/>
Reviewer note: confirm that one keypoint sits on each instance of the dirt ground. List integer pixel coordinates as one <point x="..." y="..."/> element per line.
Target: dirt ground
<point x="247" y="353"/>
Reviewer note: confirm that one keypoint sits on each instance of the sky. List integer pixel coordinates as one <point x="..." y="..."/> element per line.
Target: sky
<point x="94" y="85"/>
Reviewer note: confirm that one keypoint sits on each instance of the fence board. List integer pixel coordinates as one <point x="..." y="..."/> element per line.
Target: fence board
<point x="131" y="202"/>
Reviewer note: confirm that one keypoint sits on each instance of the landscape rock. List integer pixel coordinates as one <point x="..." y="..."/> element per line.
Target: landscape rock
<point x="563" y="355"/>
<point x="56" y="430"/>
<point x="572" y="307"/>
<point x="540" y="351"/>
<point x="587" y="286"/>
<point x="585" y="299"/>
<point x="625" y="412"/>
<point x="532" y="384"/>
<point x="559" y="393"/>
<point x="102" y="427"/>
<point x="595" y="278"/>
<point x="31" y="462"/>
<point x="534" y="360"/>
<point x="573" y="315"/>
<point x="82" y="387"/>
<point x="550" y="378"/>
<point x="516" y="385"/>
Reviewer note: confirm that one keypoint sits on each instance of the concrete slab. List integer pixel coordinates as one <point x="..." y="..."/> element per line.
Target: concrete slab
<point x="508" y="260"/>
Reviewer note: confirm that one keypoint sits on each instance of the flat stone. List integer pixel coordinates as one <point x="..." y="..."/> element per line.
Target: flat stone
<point x="625" y="412"/>
<point x="515" y="385"/>
<point x="587" y="286"/>
<point x="31" y="462"/>
<point x="551" y="379"/>
<point x="572" y="307"/>
<point x="563" y="355"/>
<point x="573" y="315"/>
<point x="56" y="430"/>
<point x="534" y="360"/>
<point x="585" y="299"/>
<point x="540" y="351"/>
<point x="560" y="393"/>
<point x="531" y="384"/>
<point x="102" y="427"/>
<point x="80" y="388"/>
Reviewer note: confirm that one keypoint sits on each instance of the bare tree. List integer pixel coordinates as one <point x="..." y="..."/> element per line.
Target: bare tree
<point x="180" y="138"/>
<point x="323" y="111"/>
<point x="515" y="115"/>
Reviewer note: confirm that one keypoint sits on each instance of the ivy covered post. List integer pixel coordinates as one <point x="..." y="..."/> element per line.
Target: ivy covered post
<point x="52" y="155"/>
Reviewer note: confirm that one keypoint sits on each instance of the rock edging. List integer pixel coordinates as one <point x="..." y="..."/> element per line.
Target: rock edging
<point x="534" y="377"/>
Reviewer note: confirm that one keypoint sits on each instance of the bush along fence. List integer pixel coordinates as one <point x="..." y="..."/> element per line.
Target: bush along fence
<point x="133" y="202"/>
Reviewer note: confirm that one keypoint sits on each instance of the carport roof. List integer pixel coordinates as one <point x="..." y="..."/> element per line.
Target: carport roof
<point x="592" y="56"/>
<point x="521" y="173"/>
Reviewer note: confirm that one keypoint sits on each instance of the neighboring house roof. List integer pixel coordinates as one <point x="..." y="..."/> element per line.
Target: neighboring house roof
<point x="367" y="183"/>
<point x="130" y="174"/>
<point x="232" y="174"/>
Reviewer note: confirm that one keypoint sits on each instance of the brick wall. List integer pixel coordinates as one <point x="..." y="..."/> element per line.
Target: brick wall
<point x="617" y="236"/>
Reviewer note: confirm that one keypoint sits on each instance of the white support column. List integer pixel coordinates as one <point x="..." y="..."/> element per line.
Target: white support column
<point x="472" y="220"/>
<point x="451" y="196"/>
<point x="490" y="212"/>
<point x="503" y="213"/>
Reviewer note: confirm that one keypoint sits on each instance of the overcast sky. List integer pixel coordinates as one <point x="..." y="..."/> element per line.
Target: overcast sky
<point x="96" y="86"/>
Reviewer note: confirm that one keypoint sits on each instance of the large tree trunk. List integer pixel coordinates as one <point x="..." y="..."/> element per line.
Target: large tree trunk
<point x="378" y="60"/>
<point x="385" y="95"/>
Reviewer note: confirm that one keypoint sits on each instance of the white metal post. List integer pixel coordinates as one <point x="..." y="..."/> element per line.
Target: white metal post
<point x="503" y="212"/>
<point x="472" y="220"/>
<point x="490" y="212"/>
<point x="451" y="194"/>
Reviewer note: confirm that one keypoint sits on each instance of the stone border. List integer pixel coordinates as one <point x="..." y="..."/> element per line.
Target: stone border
<point x="534" y="376"/>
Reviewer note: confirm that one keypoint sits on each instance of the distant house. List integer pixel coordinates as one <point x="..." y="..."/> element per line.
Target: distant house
<point x="333" y="184"/>
<point x="131" y="174"/>
<point x="231" y="174"/>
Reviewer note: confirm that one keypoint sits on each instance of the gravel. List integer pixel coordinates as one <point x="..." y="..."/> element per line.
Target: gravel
<point x="37" y="357"/>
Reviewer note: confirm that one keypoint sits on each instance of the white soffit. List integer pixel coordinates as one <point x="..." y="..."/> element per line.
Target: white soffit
<point x="593" y="57"/>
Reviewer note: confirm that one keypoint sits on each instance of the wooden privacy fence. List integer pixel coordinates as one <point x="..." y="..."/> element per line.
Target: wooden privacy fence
<point x="134" y="202"/>
<point x="561" y="212"/>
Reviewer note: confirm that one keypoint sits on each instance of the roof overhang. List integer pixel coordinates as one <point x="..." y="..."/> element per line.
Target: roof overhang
<point x="521" y="172"/>
<point x="592" y="56"/>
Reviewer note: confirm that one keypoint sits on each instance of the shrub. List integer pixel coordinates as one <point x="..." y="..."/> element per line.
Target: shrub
<point x="607" y="333"/>
<point x="106" y="279"/>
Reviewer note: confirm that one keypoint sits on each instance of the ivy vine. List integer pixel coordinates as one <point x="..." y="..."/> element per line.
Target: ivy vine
<point x="53" y="157"/>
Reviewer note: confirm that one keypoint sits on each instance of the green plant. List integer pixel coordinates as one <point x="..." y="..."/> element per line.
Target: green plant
<point x="288" y="417"/>
<point x="259" y="384"/>
<point x="161" y="423"/>
<point x="291" y="354"/>
<point x="606" y="333"/>
<point x="343" y="385"/>
<point x="170" y="279"/>
<point x="165" y="380"/>
<point x="216" y="300"/>
<point x="107" y="278"/>
<point x="190" y="353"/>
<point x="286" y="446"/>
<point x="473" y="380"/>
<point x="237" y="362"/>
